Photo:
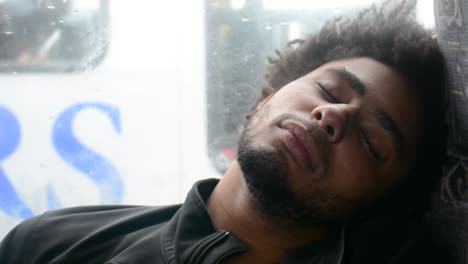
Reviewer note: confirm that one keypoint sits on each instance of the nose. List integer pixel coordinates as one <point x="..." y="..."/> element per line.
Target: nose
<point x="333" y="119"/>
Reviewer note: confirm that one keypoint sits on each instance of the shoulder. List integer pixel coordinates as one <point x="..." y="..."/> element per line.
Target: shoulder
<point x="399" y="239"/>
<point x="64" y="232"/>
<point x="16" y="243"/>
<point x="423" y="250"/>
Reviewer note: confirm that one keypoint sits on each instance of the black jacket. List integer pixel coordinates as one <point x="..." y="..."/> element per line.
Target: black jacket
<point x="185" y="234"/>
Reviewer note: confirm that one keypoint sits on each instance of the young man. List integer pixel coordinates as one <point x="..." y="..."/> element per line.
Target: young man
<point x="334" y="166"/>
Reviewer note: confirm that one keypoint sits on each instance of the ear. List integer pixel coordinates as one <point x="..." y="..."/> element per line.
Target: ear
<point x="264" y="101"/>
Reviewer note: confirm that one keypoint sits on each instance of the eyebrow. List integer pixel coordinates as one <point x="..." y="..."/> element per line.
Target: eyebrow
<point x="351" y="79"/>
<point x="384" y="119"/>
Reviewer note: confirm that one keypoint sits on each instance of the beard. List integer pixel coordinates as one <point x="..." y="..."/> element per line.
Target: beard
<point x="265" y="172"/>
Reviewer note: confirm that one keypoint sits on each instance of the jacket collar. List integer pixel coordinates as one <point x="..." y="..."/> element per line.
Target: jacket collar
<point x="191" y="237"/>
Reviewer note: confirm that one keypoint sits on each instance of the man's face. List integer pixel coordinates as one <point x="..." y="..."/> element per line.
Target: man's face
<point x="331" y="142"/>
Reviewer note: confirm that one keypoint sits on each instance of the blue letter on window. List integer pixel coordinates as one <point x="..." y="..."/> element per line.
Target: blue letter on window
<point x="96" y="167"/>
<point x="10" y="202"/>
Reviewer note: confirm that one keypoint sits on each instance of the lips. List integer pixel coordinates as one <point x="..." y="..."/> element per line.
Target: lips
<point x="301" y="144"/>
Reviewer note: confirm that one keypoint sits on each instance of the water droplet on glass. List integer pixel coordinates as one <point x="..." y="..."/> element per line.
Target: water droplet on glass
<point x="268" y="27"/>
<point x="215" y="53"/>
<point x="7" y="32"/>
<point x="284" y="23"/>
<point x="51" y="7"/>
<point x="244" y="19"/>
<point x="61" y="21"/>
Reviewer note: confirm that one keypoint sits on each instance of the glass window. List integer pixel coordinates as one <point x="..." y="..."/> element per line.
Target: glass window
<point x="52" y="35"/>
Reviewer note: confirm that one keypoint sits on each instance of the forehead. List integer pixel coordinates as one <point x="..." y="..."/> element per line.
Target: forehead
<point x="385" y="89"/>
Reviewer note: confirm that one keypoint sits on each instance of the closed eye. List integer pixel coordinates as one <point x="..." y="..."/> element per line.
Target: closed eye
<point x="370" y="148"/>
<point x="329" y="95"/>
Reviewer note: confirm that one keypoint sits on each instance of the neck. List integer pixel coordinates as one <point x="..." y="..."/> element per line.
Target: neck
<point x="231" y="208"/>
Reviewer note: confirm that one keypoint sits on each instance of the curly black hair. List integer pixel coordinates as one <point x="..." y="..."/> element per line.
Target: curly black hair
<point x="391" y="35"/>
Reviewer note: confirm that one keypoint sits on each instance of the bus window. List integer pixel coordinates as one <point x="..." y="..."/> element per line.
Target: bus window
<point x="52" y="35"/>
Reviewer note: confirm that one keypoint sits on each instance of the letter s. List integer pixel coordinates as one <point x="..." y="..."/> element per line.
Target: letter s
<point x="96" y="167"/>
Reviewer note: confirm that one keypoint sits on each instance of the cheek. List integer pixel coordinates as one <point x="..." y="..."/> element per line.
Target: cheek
<point x="352" y="174"/>
<point x="295" y="98"/>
